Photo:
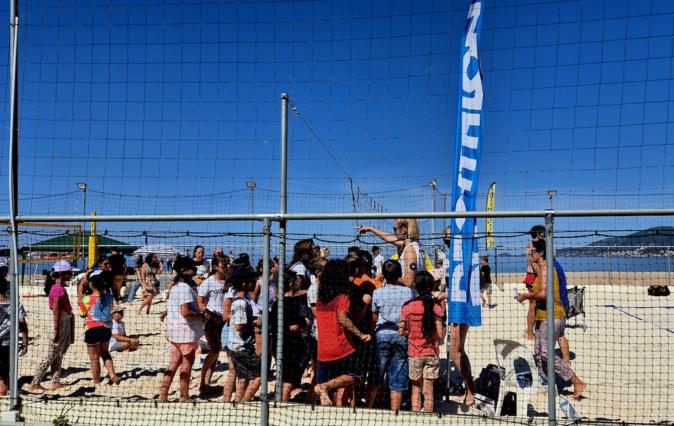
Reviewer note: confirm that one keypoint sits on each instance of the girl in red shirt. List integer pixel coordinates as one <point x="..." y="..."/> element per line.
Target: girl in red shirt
<point x="337" y="366"/>
<point x="423" y="323"/>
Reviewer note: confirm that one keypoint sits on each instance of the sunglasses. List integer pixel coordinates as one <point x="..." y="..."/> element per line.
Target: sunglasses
<point x="400" y="225"/>
<point x="533" y="251"/>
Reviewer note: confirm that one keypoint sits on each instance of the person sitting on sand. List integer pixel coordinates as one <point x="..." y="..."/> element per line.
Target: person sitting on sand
<point x="96" y="308"/>
<point x="538" y="294"/>
<point x="120" y="342"/>
<point x="63" y="332"/>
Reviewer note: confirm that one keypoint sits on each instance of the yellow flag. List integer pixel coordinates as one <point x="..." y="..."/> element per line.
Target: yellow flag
<point x="491" y="200"/>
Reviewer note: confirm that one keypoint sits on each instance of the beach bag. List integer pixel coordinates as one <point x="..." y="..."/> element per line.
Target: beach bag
<point x="658" y="290"/>
<point x="489" y="381"/>
<point x="576" y="297"/>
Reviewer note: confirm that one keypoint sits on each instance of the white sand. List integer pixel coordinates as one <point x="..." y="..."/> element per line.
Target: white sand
<point x="625" y="356"/>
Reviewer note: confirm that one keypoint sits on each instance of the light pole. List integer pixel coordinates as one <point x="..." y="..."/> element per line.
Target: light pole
<point x="252" y="185"/>
<point x="82" y="186"/>
<point x="552" y="193"/>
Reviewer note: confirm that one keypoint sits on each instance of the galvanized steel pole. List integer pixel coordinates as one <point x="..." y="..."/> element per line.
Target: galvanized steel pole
<point x="283" y="208"/>
<point x="550" y="319"/>
<point x="13" y="208"/>
<point x="264" y="374"/>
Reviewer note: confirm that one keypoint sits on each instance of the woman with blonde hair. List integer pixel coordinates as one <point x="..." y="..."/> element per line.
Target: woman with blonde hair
<point x="406" y="238"/>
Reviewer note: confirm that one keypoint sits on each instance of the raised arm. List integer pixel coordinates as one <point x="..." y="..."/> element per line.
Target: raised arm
<point x="391" y="239"/>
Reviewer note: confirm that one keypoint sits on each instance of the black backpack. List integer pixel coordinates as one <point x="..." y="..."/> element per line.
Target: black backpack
<point x="489" y="381"/>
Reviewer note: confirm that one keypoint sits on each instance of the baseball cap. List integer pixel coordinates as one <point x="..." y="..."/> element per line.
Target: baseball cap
<point x="118" y="308"/>
<point x="4" y="263"/>
<point x="64" y="266"/>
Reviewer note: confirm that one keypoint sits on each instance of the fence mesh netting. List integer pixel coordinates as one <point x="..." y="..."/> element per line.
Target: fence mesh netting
<point x="618" y="338"/>
<point x="173" y="107"/>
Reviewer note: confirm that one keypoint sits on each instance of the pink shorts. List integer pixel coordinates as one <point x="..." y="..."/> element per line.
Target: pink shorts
<point x="184" y="348"/>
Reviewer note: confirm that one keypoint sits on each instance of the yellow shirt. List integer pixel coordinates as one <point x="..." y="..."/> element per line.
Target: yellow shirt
<point x="541" y="313"/>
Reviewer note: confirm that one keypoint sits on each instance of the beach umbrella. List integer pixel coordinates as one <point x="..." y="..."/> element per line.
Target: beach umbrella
<point x="163" y="250"/>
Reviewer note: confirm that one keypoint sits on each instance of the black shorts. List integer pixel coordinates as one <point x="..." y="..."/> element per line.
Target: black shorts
<point x="4" y="364"/>
<point x="348" y="365"/>
<point x="214" y="325"/>
<point x="246" y="363"/>
<point x="97" y="335"/>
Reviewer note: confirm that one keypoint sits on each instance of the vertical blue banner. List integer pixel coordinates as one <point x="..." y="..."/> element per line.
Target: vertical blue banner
<point x="464" y="274"/>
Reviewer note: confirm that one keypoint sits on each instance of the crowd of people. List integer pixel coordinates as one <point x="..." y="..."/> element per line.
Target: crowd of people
<point x="357" y="330"/>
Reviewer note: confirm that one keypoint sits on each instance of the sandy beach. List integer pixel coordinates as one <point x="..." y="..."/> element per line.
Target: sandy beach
<point x="624" y="354"/>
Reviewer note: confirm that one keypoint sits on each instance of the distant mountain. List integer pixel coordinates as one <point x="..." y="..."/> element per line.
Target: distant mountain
<point x="649" y="242"/>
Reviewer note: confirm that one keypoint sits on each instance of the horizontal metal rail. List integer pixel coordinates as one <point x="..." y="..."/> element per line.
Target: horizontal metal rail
<point x="342" y="216"/>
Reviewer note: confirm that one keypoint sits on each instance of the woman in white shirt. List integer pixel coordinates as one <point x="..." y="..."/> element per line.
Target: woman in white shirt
<point x="211" y="299"/>
<point x="184" y="328"/>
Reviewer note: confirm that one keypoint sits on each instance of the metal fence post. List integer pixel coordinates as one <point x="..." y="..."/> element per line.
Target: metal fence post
<point x="264" y="374"/>
<point x="669" y="265"/>
<point x="282" y="247"/>
<point x="13" y="212"/>
<point x="550" y="320"/>
<point x="608" y="249"/>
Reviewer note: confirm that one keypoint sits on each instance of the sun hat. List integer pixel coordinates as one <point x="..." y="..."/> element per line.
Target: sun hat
<point x="64" y="266"/>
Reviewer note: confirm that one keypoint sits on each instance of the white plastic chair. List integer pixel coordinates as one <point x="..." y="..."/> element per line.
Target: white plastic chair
<point x="516" y="360"/>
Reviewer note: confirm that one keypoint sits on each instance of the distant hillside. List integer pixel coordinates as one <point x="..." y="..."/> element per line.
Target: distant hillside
<point x="649" y="242"/>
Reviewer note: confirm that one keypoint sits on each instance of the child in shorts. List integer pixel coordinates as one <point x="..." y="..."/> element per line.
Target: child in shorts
<point x="241" y="342"/>
<point x="423" y="323"/>
<point x="96" y="309"/>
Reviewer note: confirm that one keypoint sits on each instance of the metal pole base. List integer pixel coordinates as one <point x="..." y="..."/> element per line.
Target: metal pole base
<point x="11" y="416"/>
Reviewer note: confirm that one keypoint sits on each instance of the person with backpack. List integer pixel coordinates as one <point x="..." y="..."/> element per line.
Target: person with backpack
<point x="423" y="323"/>
<point x="538" y="295"/>
<point x="537" y="233"/>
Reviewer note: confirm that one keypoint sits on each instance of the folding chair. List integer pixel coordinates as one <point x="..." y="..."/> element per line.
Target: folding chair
<point x="519" y="374"/>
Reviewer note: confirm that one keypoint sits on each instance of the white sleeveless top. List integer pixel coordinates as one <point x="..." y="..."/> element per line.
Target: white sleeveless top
<point x="421" y="261"/>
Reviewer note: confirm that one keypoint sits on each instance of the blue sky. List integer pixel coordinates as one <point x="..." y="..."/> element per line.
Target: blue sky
<point x="151" y="99"/>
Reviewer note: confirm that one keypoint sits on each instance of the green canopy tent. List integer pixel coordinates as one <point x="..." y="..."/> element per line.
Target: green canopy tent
<point x="68" y="242"/>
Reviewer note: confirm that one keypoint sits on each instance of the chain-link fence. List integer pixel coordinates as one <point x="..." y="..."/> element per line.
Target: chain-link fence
<point x="617" y="338"/>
